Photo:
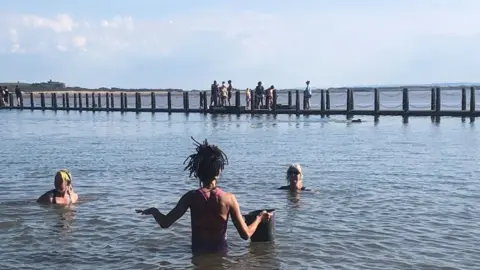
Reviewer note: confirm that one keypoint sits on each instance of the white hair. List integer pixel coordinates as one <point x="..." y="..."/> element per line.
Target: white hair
<point x="297" y="167"/>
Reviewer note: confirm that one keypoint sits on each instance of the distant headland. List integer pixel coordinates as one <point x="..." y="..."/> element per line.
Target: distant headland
<point x="55" y="86"/>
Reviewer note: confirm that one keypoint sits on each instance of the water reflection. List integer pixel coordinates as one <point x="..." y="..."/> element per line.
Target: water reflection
<point x="260" y="254"/>
<point x="64" y="217"/>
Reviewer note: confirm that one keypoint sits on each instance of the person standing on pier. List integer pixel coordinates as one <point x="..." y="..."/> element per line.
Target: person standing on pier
<point x="5" y="94"/>
<point x="269" y="97"/>
<point x="2" y="102"/>
<point x="213" y="93"/>
<point x="229" y="89"/>
<point x="223" y="94"/>
<point x="18" y="94"/>
<point x="259" y="94"/>
<point x="248" y="97"/>
<point x="307" y="95"/>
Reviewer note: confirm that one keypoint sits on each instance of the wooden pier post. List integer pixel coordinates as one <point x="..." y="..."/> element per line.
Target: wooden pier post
<point x="289" y="99"/>
<point x="405" y="101"/>
<point x="322" y="103"/>
<point x="187" y="102"/>
<point x="405" y="104"/>
<point x="99" y="100"/>
<point x="432" y="102"/>
<point x="32" y="101"/>
<point x="472" y="104"/>
<point x="112" y="100"/>
<point x="54" y="101"/>
<point x="87" y="101"/>
<point x="153" y="101"/>
<point x="125" y="100"/>
<point x="10" y="100"/>
<point x="349" y="100"/>
<point x="432" y="99"/>
<point x="253" y="101"/>
<point x="274" y="100"/>
<point x="94" y="105"/>
<point x="21" y="102"/>
<point x="67" y="100"/>
<point x="64" y="102"/>
<point x="237" y="99"/>
<point x="297" y="102"/>
<point x="80" y="105"/>
<point x="75" y="103"/>
<point x="438" y="104"/>
<point x="438" y="100"/>
<point x="122" y="102"/>
<point x="169" y="102"/>
<point x="464" y="99"/>
<point x="42" y="101"/>
<point x="327" y="100"/>
<point x="107" y="101"/>
<point x="205" y="104"/>
<point x="138" y="102"/>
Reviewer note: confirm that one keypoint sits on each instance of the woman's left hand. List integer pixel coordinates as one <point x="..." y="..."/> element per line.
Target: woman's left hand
<point x="149" y="211"/>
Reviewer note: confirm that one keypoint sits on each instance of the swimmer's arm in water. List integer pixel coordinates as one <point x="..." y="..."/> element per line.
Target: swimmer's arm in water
<point x="167" y="220"/>
<point x="245" y="231"/>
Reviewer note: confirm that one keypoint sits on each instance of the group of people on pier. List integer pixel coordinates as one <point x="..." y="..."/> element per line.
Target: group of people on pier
<point x="5" y="93"/>
<point x="210" y="207"/>
<point x="221" y="95"/>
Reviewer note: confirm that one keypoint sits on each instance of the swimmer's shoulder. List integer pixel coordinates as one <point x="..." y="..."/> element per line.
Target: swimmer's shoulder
<point x="47" y="197"/>
<point x="284" y="187"/>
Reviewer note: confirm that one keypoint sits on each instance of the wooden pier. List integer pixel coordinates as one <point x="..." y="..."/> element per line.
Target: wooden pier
<point x="295" y="103"/>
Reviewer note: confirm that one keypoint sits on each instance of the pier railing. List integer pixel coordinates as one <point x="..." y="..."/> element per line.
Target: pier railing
<point x="375" y="102"/>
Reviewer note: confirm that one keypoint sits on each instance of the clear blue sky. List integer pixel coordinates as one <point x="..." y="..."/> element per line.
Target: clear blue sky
<point x="188" y="44"/>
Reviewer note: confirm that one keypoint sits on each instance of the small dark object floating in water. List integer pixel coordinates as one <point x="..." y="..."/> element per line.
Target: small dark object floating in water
<point x="357" y="121"/>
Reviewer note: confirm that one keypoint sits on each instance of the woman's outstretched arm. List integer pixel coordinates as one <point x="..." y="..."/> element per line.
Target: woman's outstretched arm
<point x="177" y="212"/>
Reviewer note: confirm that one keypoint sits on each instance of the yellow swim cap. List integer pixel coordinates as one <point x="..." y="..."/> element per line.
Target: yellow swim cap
<point x="64" y="175"/>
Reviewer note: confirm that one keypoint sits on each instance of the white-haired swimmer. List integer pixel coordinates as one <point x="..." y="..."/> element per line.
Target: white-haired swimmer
<point x="294" y="178"/>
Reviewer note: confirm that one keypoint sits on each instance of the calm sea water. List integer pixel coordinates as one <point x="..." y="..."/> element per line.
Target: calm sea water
<point x="390" y="195"/>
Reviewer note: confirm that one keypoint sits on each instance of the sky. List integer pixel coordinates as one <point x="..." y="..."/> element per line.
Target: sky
<point x="188" y="44"/>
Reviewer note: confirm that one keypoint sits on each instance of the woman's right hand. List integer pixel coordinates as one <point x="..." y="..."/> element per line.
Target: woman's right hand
<point x="264" y="216"/>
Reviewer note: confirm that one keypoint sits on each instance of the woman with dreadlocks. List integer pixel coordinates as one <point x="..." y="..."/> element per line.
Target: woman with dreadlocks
<point x="210" y="207"/>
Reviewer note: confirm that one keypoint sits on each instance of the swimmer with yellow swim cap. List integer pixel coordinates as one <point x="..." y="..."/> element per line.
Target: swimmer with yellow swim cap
<point x="63" y="192"/>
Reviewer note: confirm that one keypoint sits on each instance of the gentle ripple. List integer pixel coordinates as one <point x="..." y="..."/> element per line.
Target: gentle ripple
<point x="389" y="195"/>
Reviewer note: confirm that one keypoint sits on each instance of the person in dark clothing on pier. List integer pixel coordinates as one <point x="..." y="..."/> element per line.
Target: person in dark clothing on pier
<point x="259" y="94"/>
<point x="18" y="94"/>
<point x="229" y="89"/>
<point x="5" y="94"/>
<point x="214" y="93"/>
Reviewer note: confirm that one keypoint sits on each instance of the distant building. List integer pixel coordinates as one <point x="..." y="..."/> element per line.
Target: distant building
<point x="49" y="85"/>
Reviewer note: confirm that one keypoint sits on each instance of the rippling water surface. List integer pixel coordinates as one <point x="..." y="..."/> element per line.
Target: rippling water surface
<point x="390" y="195"/>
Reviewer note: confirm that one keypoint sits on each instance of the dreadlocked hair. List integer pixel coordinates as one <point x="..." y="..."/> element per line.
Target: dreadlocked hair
<point x="206" y="163"/>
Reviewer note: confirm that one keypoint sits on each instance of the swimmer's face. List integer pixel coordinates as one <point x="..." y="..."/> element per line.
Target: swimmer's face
<point x="294" y="178"/>
<point x="61" y="185"/>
